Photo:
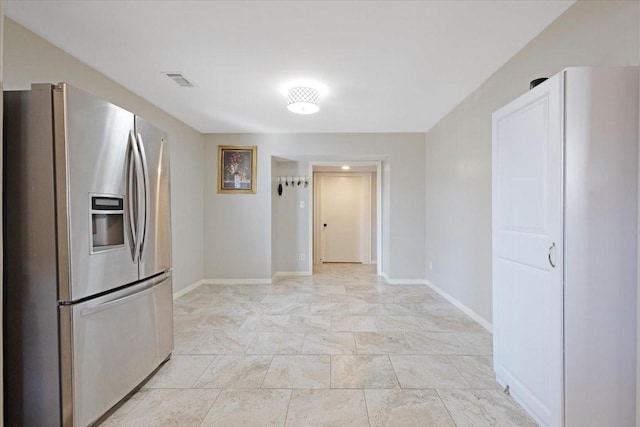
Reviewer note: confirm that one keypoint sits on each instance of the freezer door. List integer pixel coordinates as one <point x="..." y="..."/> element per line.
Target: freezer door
<point x="156" y="240"/>
<point x="92" y="142"/>
<point x="116" y="341"/>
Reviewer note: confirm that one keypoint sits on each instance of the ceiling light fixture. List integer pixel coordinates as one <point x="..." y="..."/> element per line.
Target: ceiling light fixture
<point x="303" y="100"/>
<point x="345" y="168"/>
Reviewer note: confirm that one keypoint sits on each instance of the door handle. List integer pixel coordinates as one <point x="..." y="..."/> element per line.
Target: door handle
<point x="130" y="170"/>
<point x="147" y="197"/>
<point x="552" y="249"/>
<point x="135" y="166"/>
<point x="146" y="290"/>
<point x="324" y="225"/>
<point x="122" y="300"/>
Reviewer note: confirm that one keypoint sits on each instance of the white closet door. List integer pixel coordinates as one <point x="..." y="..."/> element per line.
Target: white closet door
<point x="527" y="242"/>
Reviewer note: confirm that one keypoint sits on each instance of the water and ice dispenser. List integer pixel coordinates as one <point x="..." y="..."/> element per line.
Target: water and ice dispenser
<point x="107" y="223"/>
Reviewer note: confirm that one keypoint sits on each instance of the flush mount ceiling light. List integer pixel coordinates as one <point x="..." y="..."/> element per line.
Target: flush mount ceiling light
<point x="303" y="95"/>
<point x="303" y="100"/>
<point x="345" y="168"/>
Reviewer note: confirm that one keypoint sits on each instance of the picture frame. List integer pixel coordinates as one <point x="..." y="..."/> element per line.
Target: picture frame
<point x="237" y="169"/>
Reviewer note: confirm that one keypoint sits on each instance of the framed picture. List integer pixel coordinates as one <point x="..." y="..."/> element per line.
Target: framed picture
<point x="237" y="169"/>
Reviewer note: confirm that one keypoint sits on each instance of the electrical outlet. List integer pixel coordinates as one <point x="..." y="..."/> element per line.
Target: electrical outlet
<point x="430" y="266"/>
<point x="302" y="205"/>
<point x="301" y="257"/>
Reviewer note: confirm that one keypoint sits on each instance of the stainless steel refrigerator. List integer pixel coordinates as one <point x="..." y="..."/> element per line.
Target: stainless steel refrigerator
<point x="87" y="255"/>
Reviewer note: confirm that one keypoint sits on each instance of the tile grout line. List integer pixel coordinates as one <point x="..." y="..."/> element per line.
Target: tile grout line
<point x="395" y="372"/>
<point x="366" y="406"/>
<point x="132" y="409"/>
<point x="445" y="406"/>
<point x="266" y="372"/>
<point x="393" y="368"/>
<point x="450" y="362"/>
<point x="286" y="415"/>
<point x="330" y="372"/>
<point x="210" y="407"/>
<point x="215" y="357"/>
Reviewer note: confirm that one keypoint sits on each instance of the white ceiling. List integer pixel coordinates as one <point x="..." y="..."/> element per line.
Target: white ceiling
<point x="391" y="66"/>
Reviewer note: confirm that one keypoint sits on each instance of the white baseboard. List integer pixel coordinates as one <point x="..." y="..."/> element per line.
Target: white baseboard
<point x="199" y="283"/>
<point x="188" y="289"/>
<point x="466" y="310"/>
<point x="291" y="273"/>
<point x="402" y="281"/>
<point x="237" y="281"/>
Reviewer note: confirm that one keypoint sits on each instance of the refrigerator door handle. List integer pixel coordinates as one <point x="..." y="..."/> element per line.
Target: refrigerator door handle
<point x="150" y="287"/>
<point x="107" y="305"/>
<point x="137" y="222"/>
<point x="147" y="196"/>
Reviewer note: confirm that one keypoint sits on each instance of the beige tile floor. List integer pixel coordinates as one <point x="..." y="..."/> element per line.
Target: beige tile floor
<point x="339" y="348"/>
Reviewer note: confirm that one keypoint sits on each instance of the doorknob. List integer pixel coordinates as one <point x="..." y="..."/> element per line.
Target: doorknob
<point x="324" y="225"/>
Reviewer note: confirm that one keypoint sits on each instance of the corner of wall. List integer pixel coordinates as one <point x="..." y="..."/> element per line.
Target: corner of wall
<point x="427" y="248"/>
<point x="274" y="222"/>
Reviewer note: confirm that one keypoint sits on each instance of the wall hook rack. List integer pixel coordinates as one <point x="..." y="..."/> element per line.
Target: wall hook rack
<point x="292" y="181"/>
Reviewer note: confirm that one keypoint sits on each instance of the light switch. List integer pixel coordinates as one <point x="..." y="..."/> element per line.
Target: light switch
<point x="301" y="205"/>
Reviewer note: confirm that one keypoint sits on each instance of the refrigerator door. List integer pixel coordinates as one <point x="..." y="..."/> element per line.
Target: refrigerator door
<point x="156" y="240"/>
<point x="92" y="141"/>
<point x="114" y="343"/>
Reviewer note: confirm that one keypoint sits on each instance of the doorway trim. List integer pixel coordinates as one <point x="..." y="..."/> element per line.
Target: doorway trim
<point x="312" y="207"/>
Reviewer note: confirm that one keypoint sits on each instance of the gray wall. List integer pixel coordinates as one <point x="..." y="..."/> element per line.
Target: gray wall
<point x="31" y="59"/>
<point x="238" y="228"/>
<point x="291" y="221"/>
<point x="458" y="151"/>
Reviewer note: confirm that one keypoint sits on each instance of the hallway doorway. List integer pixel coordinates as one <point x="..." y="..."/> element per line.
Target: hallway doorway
<point x="351" y="211"/>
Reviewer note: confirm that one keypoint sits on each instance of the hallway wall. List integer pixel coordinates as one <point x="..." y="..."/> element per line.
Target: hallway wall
<point x="238" y="231"/>
<point x="290" y="231"/>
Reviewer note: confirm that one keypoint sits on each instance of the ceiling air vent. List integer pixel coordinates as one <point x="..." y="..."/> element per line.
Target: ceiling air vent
<point x="180" y="79"/>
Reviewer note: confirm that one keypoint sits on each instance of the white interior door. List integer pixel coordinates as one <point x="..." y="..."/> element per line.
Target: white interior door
<point x="527" y="242"/>
<point x="345" y="218"/>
